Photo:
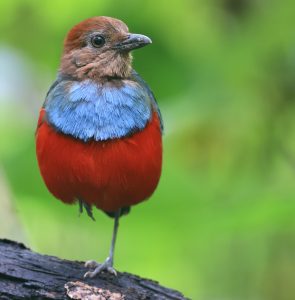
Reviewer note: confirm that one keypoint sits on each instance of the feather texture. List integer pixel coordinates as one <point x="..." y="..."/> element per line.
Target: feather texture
<point x="90" y="110"/>
<point x="108" y="174"/>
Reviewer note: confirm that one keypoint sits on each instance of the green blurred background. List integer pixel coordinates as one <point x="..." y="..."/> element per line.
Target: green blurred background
<point x="221" y="223"/>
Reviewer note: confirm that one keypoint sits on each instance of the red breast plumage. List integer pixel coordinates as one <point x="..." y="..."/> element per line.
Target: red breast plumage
<point x="109" y="174"/>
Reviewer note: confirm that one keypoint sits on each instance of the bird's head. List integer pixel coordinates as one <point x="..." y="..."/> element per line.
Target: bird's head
<point x="99" y="48"/>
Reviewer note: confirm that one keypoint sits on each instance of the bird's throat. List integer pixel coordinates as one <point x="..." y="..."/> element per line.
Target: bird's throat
<point x="98" y="68"/>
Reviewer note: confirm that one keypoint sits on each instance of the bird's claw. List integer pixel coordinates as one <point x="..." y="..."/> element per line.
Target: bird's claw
<point x="91" y="264"/>
<point x="98" y="268"/>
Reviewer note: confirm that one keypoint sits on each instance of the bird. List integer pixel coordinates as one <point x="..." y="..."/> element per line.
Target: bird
<point x="99" y="131"/>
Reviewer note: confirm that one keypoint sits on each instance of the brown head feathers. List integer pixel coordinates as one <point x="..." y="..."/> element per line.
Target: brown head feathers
<point x="99" y="48"/>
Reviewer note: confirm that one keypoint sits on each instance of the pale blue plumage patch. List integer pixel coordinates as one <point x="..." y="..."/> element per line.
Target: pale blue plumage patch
<point x="89" y="110"/>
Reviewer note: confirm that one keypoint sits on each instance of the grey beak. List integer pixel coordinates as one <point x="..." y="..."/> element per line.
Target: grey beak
<point x="133" y="41"/>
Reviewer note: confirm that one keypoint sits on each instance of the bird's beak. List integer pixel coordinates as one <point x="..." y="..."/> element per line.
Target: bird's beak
<point x="133" y="41"/>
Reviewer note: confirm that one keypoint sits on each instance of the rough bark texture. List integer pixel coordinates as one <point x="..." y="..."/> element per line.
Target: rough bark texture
<point x="25" y="274"/>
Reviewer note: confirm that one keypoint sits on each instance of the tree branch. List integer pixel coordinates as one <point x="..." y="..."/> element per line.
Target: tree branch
<point x="25" y="274"/>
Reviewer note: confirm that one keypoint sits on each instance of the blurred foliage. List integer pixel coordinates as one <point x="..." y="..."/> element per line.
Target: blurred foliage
<point x="221" y="224"/>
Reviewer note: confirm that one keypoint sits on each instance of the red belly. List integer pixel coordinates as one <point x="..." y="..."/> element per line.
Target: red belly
<point x="109" y="174"/>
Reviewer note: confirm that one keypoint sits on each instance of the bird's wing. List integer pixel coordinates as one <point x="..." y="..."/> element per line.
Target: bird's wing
<point x="58" y="80"/>
<point x="140" y="80"/>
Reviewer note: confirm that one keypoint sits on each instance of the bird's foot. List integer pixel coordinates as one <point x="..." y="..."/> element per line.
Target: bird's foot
<point x="98" y="268"/>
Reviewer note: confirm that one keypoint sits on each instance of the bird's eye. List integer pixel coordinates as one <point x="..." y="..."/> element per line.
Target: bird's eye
<point x="97" y="41"/>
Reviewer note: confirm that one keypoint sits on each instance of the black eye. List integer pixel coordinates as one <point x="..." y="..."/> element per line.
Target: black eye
<point x="97" y="41"/>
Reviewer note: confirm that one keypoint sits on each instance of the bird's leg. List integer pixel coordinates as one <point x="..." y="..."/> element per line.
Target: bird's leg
<point x="108" y="264"/>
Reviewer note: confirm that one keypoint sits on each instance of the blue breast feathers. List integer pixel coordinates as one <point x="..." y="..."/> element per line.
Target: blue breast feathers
<point x="88" y="110"/>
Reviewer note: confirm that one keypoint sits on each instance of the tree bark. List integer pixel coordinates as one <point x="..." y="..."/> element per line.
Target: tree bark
<point x="25" y="274"/>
